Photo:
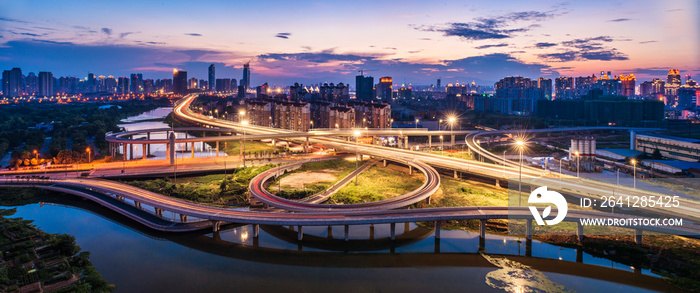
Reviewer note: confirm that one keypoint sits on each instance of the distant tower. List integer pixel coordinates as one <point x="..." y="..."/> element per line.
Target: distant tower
<point x="212" y="78"/>
<point x="12" y="82"/>
<point x="363" y="87"/>
<point x="385" y="89"/>
<point x="45" y="84"/>
<point x="439" y="85"/>
<point x="179" y="82"/>
<point x="245" y="81"/>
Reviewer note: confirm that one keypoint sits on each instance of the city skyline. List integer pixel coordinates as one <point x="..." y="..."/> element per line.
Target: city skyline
<point x="407" y="40"/>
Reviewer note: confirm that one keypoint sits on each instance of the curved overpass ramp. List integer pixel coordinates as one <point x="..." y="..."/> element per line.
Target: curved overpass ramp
<point x="430" y="186"/>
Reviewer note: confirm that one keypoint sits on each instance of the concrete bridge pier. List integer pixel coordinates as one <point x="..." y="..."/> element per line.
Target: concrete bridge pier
<point x="171" y="149"/>
<point x="410" y="170"/>
<point x="437" y="245"/>
<point x="215" y="226"/>
<point x="430" y="142"/>
<point x="119" y="197"/>
<point x="638" y="236"/>
<point x="437" y="229"/>
<point x="453" y="141"/>
<point x="145" y="151"/>
<point x="406" y="227"/>
<point x="138" y="205"/>
<point x="217" y="148"/>
<point x="193" y="149"/>
<point x="427" y="200"/>
<point x="330" y="232"/>
<point x="482" y="228"/>
<point x="300" y="233"/>
<point x="528" y="230"/>
<point x="456" y="174"/>
<point x="371" y="231"/>
<point x="347" y="232"/>
<point x="131" y="152"/>
<point x="406" y="143"/>
<point x="124" y="152"/>
<point x="204" y="134"/>
<point x="393" y="231"/>
<point x="579" y="231"/>
<point x="384" y="163"/>
<point x="183" y="218"/>
<point x="306" y="145"/>
<point x="482" y="244"/>
<point x="159" y="212"/>
<point x="498" y="183"/>
<point x="256" y="230"/>
<point x="148" y="146"/>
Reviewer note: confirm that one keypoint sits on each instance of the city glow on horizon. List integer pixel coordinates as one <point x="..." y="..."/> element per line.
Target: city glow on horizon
<point x="414" y="40"/>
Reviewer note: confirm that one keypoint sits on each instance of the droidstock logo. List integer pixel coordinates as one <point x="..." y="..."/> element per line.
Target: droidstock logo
<point x="542" y="195"/>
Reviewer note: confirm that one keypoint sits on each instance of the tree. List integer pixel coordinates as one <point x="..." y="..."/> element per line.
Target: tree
<point x="656" y="155"/>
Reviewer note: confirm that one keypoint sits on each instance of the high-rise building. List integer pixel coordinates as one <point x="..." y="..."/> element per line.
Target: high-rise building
<point x="439" y="85"/>
<point x="545" y="84"/>
<point x="385" y="89"/>
<point x="179" y="82"/>
<point x="31" y="84"/>
<point x="673" y="82"/>
<point x="212" y="78"/>
<point x="564" y="88"/>
<point x="192" y="84"/>
<point x="45" y="84"/>
<point x="583" y="85"/>
<point x="628" y="84"/>
<point x="234" y="84"/>
<point x="223" y="85"/>
<point x="609" y="85"/>
<point x="12" y="82"/>
<point x="136" y="83"/>
<point x="123" y="86"/>
<point x="364" y="87"/>
<point x="91" y="85"/>
<point x="245" y="81"/>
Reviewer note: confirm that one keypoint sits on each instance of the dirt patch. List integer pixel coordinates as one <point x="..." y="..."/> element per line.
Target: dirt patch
<point x="298" y="180"/>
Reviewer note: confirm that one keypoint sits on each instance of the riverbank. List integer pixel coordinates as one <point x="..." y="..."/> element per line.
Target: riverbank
<point x="37" y="261"/>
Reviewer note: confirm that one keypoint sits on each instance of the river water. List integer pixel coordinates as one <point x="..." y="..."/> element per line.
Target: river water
<point x="136" y="259"/>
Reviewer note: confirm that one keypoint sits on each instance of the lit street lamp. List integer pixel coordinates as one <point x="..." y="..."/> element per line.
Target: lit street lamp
<point x="36" y="155"/>
<point x="452" y="120"/>
<point x="521" y="145"/>
<point x="357" y="137"/>
<point x="634" y="167"/>
<point x="89" y="157"/>
<point x="416" y="123"/>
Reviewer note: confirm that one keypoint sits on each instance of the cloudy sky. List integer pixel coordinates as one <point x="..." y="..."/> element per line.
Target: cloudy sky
<point x="312" y="41"/>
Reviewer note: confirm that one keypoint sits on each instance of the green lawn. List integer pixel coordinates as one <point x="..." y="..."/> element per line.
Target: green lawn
<point x="339" y="168"/>
<point x="209" y="189"/>
<point x="233" y="148"/>
<point x="378" y="183"/>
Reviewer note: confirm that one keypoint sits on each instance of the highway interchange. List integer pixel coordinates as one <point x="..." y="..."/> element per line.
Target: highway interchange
<point x="308" y="214"/>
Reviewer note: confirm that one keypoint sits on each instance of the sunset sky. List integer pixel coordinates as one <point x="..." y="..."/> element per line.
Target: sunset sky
<point x="312" y="42"/>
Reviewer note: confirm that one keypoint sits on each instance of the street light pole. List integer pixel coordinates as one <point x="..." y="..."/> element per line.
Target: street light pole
<point x="442" y="146"/>
<point x="416" y="123"/>
<point x="245" y="123"/>
<point x="634" y="176"/>
<point x="520" y="144"/>
<point x="357" y="137"/>
<point x="578" y="163"/>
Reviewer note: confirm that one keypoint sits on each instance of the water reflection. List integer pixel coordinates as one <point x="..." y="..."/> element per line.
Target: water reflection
<point x="137" y="259"/>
